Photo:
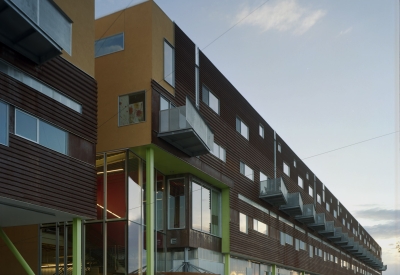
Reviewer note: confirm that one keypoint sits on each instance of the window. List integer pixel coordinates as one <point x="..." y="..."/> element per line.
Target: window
<point x="176" y="203"/>
<point x="243" y="223"/>
<point x="344" y="222"/>
<point x="297" y="244"/>
<point x="260" y="227"/>
<point x="310" y="191"/>
<point x="246" y="171"/>
<point x="165" y="104"/>
<point x="279" y="147"/>
<point x="132" y="108"/>
<point x="300" y="182"/>
<point x="307" y="176"/>
<point x="263" y="177"/>
<point x="242" y="128"/>
<point x="3" y="123"/>
<point x="261" y="131"/>
<point x="219" y="152"/>
<point x="206" y="205"/>
<point x="169" y="64"/>
<point x="302" y="245"/>
<point x="294" y="163"/>
<point x="39" y="86"/>
<point x="320" y="253"/>
<point x="286" y="169"/>
<point x="109" y="45"/>
<point x="334" y="213"/>
<point x="282" y="237"/>
<point x="38" y="131"/>
<point x="197" y="82"/>
<point x="318" y="198"/>
<point x="289" y="239"/>
<point x="210" y="99"/>
<point x="328" y="208"/>
<point x="310" y="251"/>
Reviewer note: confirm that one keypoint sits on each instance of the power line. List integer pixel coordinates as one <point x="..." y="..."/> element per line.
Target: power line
<point x="350" y="145"/>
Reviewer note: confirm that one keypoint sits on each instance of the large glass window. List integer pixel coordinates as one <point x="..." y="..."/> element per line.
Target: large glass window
<point x="242" y="128"/>
<point x="176" y="203"/>
<point x="3" y="123"/>
<point x="132" y="108"/>
<point x="36" y="130"/>
<point x="109" y="45"/>
<point x="116" y="187"/>
<point x="206" y="207"/>
<point x="169" y="64"/>
<point x="210" y="99"/>
<point x="246" y="171"/>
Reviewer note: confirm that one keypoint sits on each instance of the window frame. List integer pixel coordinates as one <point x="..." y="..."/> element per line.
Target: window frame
<point x="223" y="159"/>
<point x="166" y="43"/>
<point x="300" y="180"/>
<point x="288" y="169"/>
<point x="203" y="98"/>
<point x="246" y="223"/>
<point x="7" y="126"/>
<point x="244" y="170"/>
<point x="311" y="191"/>
<point x="144" y="107"/>
<point x="239" y="123"/>
<point x="168" y="203"/>
<point x="261" y="131"/>
<point x="108" y="37"/>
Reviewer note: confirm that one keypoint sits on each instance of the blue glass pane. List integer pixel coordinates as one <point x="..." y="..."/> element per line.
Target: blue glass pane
<point x="26" y="125"/>
<point x="109" y="45"/>
<point x="52" y="137"/>
<point x="3" y="124"/>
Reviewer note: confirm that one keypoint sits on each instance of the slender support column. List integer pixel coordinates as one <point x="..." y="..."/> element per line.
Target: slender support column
<point x="150" y="211"/>
<point x="302" y="273"/>
<point x="274" y="269"/>
<point x="225" y="221"/>
<point x="16" y="253"/>
<point x="77" y="246"/>
<point x="227" y="266"/>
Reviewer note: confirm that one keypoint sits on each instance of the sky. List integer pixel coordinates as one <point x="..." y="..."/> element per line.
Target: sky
<point x="325" y="75"/>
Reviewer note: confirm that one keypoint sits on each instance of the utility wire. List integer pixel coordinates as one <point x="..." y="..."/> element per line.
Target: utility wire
<point x="350" y="145"/>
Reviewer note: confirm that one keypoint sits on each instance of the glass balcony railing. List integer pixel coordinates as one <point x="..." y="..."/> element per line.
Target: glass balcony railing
<point x="329" y="229"/>
<point x="308" y="215"/>
<point x="184" y="128"/>
<point x="319" y="224"/>
<point x="274" y="191"/>
<point x="39" y="29"/>
<point x="294" y="205"/>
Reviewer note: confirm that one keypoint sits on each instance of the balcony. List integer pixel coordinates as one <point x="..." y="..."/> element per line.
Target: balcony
<point x="354" y="248"/>
<point x="343" y="240"/>
<point x="274" y="191"/>
<point x="329" y="230"/>
<point x="337" y="235"/>
<point x="319" y="224"/>
<point x="39" y="30"/>
<point x="294" y="205"/>
<point x="360" y="251"/>
<point x="308" y="215"/>
<point x="185" y="129"/>
<point x="349" y="244"/>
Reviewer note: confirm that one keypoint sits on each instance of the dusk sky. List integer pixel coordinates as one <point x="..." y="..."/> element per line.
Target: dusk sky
<point x="324" y="75"/>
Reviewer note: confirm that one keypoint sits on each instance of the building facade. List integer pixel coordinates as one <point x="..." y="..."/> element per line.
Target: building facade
<point x="48" y="133"/>
<point x="183" y="155"/>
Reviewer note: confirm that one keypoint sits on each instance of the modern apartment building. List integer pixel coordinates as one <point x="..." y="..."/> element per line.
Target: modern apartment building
<point x="191" y="178"/>
<point x="48" y="133"/>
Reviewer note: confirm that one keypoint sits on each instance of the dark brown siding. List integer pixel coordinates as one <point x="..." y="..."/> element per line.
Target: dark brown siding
<point x="258" y="154"/>
<point x="38" y="175"/>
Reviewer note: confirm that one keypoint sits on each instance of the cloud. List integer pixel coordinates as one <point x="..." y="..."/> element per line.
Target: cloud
<point x="378" y="214"/>
<point x="284" y="15"/>
<point x="346" y="31"/>
<point x="384" y="231"/>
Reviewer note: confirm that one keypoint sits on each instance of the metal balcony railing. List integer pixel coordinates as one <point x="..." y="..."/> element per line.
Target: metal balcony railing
<point x="349" y="244"/>
<point x="319" y="224"/>
<point x="294" y="205"/>
<point x="308" y="216"/>
<point x="184" y="128"/>
<point x="337" y="235"/>
<point x="39" y="29"/>
<point x="343" y="240"/>
<point x="274" y="191"/>
<point x="329" y="230"/>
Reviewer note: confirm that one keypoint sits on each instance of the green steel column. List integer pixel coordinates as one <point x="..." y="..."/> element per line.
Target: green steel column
<point x="16" y="253"/>
<point x="227" y="264"/>
<point x="150" y="211"/>
<point x="274" y="269"/>
<point x="225" y="221"/>
<point x="303" y="273"/>
<point x="77" y="246"/>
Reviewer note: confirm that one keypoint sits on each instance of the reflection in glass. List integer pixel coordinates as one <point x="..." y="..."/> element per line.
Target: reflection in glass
<point x="3" y="123"/>
<point x="109" y="45"/>
<point x="136" y="251"/>
<point x="94" y="248"/>
<point x="25" y="125"/>
<point x="100" y="185"/>
<point x="159" y="209"/>
<point x="176" y="203"/>
<point x="116" y="247"/>
<point x="205" y="210"/>
<point x="116" y="192"/>
<point x="169" y="64"/>
<point x="48" y="243"/>
<point x="196" y="206"/>
<point x="52" y="137"/>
